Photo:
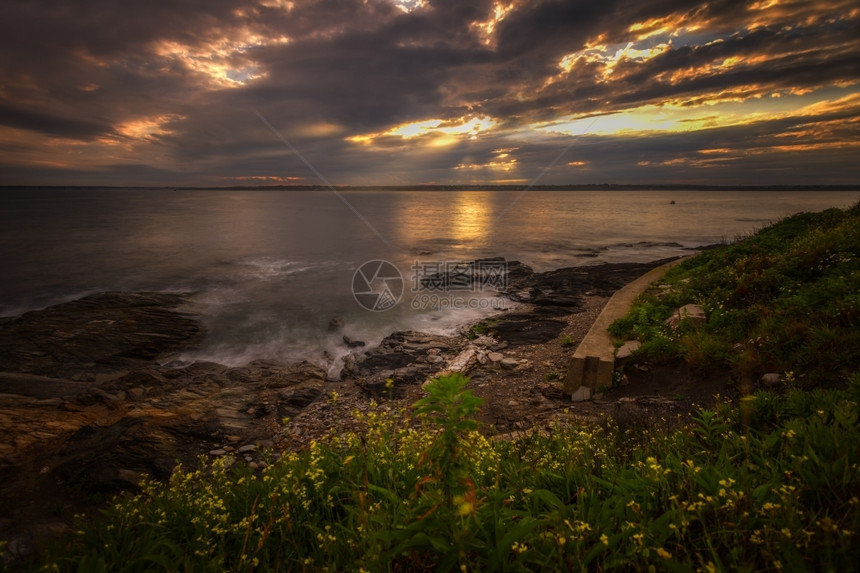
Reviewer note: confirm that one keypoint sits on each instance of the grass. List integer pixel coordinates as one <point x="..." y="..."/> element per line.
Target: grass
<point x="768" y="484"/>
<point x="786" y="299"/>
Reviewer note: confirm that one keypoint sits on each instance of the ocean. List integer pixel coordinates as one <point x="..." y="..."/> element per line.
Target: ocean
<point x="272" y="270"/>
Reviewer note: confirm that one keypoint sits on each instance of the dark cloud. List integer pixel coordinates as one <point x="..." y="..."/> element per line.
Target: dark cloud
<point x="103" y="92"/>
<point x="51" y="124"/>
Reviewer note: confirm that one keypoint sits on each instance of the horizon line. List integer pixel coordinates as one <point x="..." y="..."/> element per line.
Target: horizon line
<point x="467" y="187"/>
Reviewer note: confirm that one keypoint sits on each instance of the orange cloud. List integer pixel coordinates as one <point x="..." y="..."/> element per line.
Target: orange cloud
<point x="432" y="132"/>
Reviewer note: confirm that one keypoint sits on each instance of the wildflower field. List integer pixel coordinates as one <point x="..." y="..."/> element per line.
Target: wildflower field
<point x="768" y="482"/>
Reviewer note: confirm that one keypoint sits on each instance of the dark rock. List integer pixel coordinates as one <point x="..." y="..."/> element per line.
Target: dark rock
<point x="101" y="333"/>
<point x="563" y="288"/>
<point x="91" y="458"/>
<point x="402" y="355"/>
<point x="353" y="343"/>
<point x="128" y="415"/>
<point x="292" y="401"/>
<point x="521" y="329"/>
<point x="405" y="358"/>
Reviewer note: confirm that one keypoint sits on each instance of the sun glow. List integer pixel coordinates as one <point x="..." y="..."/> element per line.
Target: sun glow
<point x="609" y="56"/>
<point x="434" y="132"/>
<point x="225" y="62"/>
<point x="485" y="30"/>
<point x="707" y="112"/>
<point x="408" y="6"/>
<point x="674" y="25"/>
<point x="149" y="128"/>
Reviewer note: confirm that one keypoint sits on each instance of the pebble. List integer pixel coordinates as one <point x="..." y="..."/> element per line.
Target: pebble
<point x="218" y="452"/>
<point x="248" y="448"/>
<point x="509" y="363"/>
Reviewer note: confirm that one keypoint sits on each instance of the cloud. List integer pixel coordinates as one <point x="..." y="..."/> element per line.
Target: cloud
<point x="393" y="92"/>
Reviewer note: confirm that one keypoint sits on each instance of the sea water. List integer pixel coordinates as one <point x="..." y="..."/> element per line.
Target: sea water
<point x="272" y="272"/>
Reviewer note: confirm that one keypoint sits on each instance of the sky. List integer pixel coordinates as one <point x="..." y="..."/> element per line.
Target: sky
<point x="408" y="92"/>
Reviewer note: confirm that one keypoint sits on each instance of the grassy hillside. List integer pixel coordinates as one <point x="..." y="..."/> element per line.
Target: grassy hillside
<point x="786" y="299"/>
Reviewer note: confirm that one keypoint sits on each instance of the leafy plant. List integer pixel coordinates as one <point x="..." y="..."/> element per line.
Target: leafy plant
<point x="453" y="408"/>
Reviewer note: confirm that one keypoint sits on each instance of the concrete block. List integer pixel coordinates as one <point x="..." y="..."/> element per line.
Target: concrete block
<point x="582" y="394"/>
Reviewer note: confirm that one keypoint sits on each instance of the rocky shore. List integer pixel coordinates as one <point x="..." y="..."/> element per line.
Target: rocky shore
<point x="90" y="399"/>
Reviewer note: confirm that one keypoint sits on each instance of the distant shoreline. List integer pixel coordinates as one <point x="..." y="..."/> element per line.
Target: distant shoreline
<point x="590" y="187"/>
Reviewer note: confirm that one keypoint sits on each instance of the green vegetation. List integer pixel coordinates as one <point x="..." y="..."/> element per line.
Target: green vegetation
<point x="768" y="483"/>
<point x="567" y="341"/>
<point x="481" y="328"/>
<point x="786" y="299"/>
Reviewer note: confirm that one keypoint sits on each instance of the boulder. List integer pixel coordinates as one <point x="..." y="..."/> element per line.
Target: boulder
<point x="689" y="314"/>
<point x="627" y="349"/>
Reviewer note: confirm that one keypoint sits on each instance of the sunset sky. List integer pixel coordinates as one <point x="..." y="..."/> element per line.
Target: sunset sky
<point x="385" y="92"/>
